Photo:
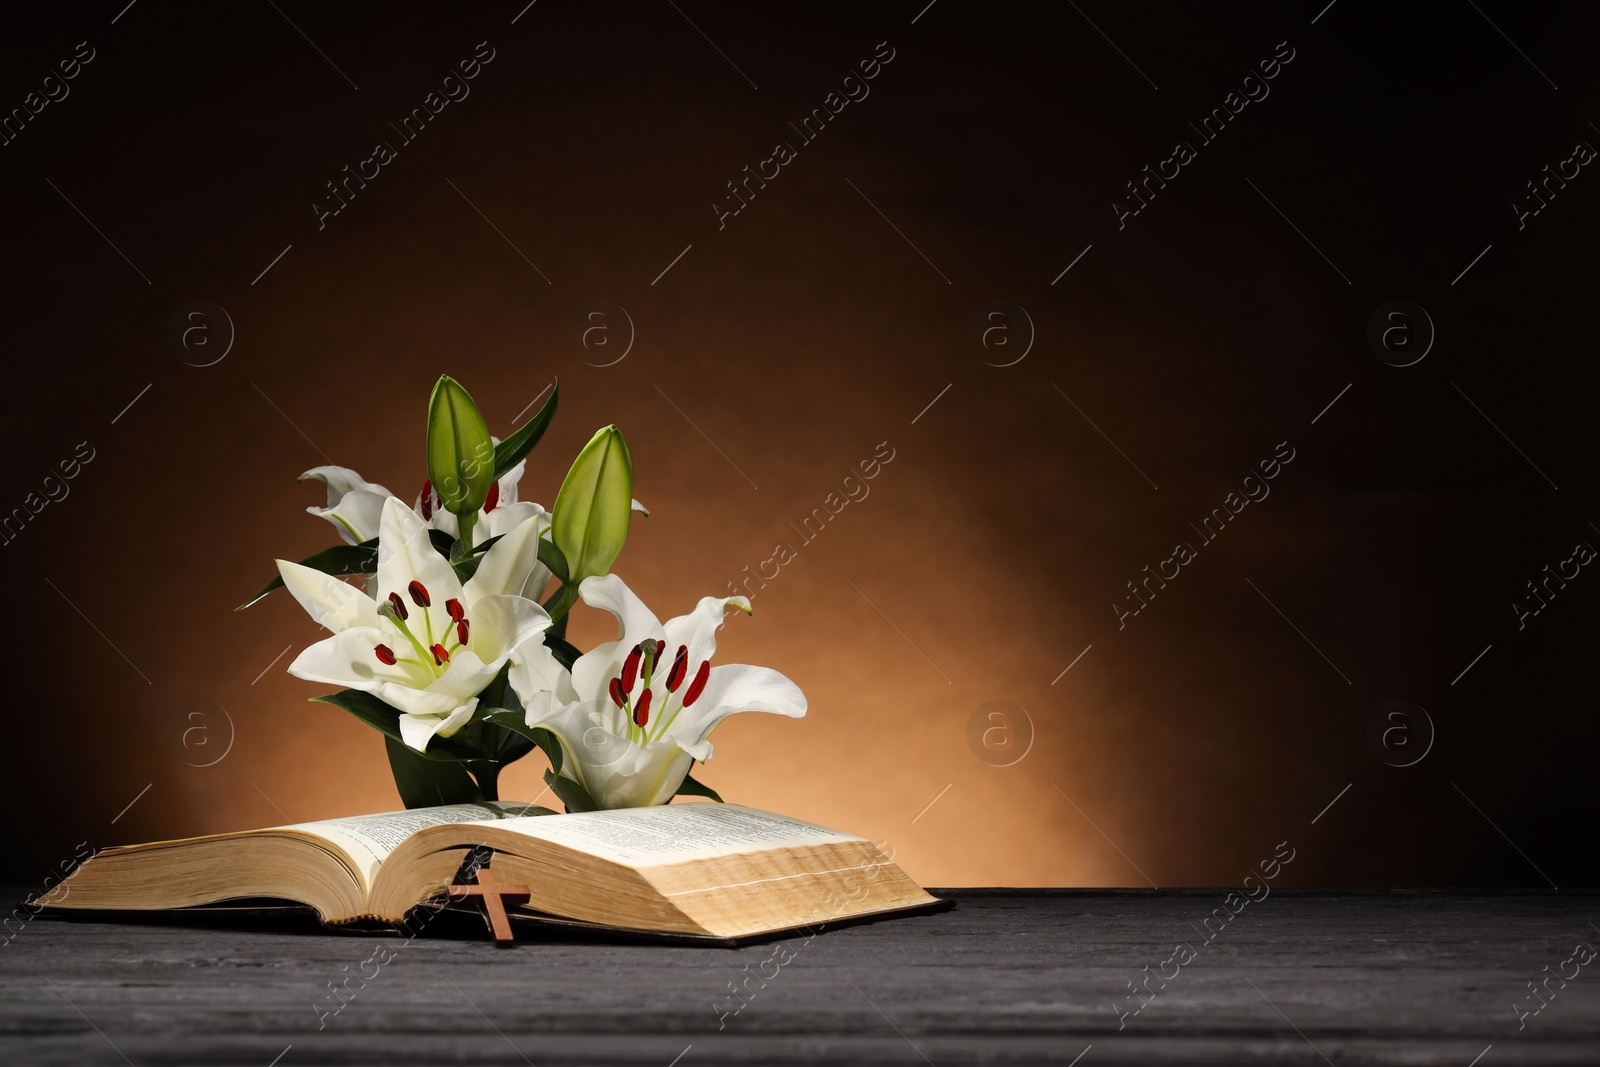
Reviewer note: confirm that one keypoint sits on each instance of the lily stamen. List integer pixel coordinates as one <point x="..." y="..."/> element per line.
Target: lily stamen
<point x="420" y="597"/>
<point x="689" y="696"/>
<point x="651" y="648"/>
<point x="388" y="610"/>
<point x="680" y="667"/>
<point x="686" y="698"/>
<point x="630" y="669"/>
<point x="697" y="686"/>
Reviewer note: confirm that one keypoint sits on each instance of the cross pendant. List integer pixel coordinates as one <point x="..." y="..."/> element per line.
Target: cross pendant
<point x="492" y="893"/>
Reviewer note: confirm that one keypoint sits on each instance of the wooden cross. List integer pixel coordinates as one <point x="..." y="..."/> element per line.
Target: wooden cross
<point x="492" y="894"/>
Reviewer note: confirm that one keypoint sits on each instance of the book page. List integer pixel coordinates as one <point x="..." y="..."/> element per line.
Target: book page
<point x="673" y="833"/>
<point x="368" y="839"/>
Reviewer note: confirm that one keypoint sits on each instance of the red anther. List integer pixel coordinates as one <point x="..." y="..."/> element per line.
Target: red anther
<point x="461" y="631"/>
<point x="697" y="686"/>
<point x="641" y="710"/>
<point x="630" y="669"/>
<point x="457" y="612"/>
<point x="440" y="656"/>
<point x="492" y="501"/>
<point x="419" y="594"/>
<point x="399" y="606"/>
<point x="427" y="499"/>
<point x="384" y="653"/>
<point x="680" y="667"/>
<point x="617" y="695"/>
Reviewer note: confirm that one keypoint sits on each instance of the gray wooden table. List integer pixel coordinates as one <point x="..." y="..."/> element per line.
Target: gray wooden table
<point x="1006" y="976"/>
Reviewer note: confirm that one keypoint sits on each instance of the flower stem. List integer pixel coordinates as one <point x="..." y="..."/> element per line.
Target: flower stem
<point x="487" y="775"/>
<point x="561" y="601"/>
<point x="467" y="522"/>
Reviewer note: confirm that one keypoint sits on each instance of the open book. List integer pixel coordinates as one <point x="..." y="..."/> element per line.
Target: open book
<point x="694" y="868"/>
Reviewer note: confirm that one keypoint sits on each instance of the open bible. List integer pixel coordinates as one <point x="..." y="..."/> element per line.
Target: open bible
<point x="695" y="868"/>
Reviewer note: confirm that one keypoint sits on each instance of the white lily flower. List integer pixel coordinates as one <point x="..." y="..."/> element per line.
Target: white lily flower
<point x="634" y="714"/>
<point x="429" y="660"/>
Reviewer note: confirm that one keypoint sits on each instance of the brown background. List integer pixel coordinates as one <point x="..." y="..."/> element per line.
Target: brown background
<point x="797" y="339"/>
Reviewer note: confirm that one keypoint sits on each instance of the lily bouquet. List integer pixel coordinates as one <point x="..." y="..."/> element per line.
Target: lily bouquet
<point x="455" y="648"/>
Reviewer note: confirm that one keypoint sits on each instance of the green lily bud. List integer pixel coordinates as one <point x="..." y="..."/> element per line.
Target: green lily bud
<point x="460" y="450"/>
<point x="589" y="522"/>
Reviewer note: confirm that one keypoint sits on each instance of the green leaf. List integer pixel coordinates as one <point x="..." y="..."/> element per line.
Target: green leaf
<point x="565" y="652"/>
<point x="423" y="782"/>
<point x="386" y="719"/>
<point x="516" y="722"/>
<point x="460" y="450"/>
<point x="514" y="449"/>
<point x="338" y="560"/>
<point x="508" y="746"/>
<point x="589" y="520"/>
<point x="552" y="557"/>
<point x="573" y="795"/>
<point x="692" y="788"/>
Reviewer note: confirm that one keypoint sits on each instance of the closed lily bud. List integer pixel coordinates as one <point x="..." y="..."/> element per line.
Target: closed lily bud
<point x="460" y="450"/>
<point x="589" y="522"/>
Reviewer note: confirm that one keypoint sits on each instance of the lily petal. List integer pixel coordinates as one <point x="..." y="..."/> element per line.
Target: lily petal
<point x="354" y="504"/>
<point x="502" y="623"/>
<point x="347" y="659"/>
<point x="595" y="668"/>
<point x="418" y="730"/>
<point x="649" y="774"/>
<point x="509" y="480"/>
<point x="464" y="679"/>
<point x="510" y="560"/>
<point x="331" y="603"/>
<point x="405" y="553"/>
<point x="732" y="688"/>
<point x="507" y="517"/>
<point x="698" y="629"/>
<point x="585" y="731"/>
<point x="340" y="480"/>
<point x="537" y="676"/>
<point x="615" y="771"/>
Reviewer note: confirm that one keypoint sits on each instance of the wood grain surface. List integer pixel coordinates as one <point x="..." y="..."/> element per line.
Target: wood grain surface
<point x="1004" y="977"/>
